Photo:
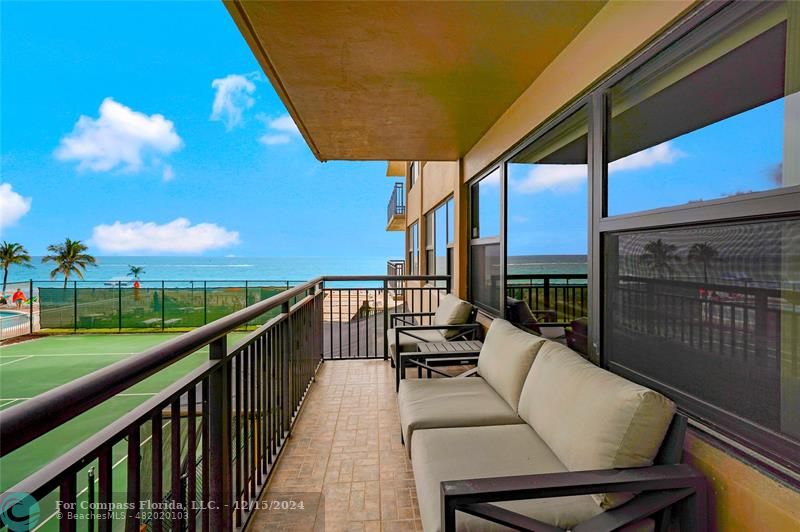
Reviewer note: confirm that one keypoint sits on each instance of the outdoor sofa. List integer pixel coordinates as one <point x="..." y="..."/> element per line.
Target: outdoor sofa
<point x="542" y="439"/>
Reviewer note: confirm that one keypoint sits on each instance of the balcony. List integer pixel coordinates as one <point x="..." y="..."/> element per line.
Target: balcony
<point x="309" y="387"/>
<point x="396" y="210"/>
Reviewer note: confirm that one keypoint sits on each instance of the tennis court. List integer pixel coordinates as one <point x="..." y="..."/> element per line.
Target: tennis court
<point x="30" y="368"/>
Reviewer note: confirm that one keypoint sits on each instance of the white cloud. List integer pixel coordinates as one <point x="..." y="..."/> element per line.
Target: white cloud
<point x="13" y="206"/>
<point x="168" y="174"/>
<point x="281" y="130"/>
<point x="177" y="236"/>
<point x="557" y="177"/>
<point x="568" y="177"/>
<point x="664" y="153"/>
<point x="119" y="138"/>
<point x="232" y="98"/>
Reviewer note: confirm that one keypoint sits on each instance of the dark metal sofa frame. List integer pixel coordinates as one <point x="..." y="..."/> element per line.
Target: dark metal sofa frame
<point x="662" y="487"/>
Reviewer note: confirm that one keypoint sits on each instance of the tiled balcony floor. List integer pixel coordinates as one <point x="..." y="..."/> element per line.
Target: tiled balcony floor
<point x="346" y="447"/>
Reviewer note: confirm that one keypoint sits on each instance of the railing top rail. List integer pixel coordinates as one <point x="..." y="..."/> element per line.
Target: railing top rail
<point x="334" y="278"/>
<point x="117" y="281"/>
<point x="39" y="415"/>
<point x="547" y="276"/>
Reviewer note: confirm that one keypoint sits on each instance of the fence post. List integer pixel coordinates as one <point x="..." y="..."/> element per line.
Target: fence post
<point x="119" y="306"/>
<point x="547" y="293"/>
<point x="385" y="318"/>
<point x="75" y="305"/>
<point x="219" y="444"/>
<point x="245" y="299"/>
<point x="205" y="302"/>
<point x="162" y="306"/>
<point x="30" y="301"/>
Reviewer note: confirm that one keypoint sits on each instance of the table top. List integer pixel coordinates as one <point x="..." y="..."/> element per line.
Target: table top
<point x="459" y="346"/>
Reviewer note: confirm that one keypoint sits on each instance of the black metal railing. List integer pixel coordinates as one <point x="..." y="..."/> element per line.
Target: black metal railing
<point x="564" y="294"/>
<point x="205" y="445"/>
<point x="210" y="437"/>
<point x="397" y="204"/>
<point x="357" y="310"/>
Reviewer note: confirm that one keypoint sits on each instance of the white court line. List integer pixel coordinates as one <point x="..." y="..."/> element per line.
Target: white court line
<point x="8" y="402"/>
<point x="69" y="355"/>
<point x="17" y="360"/>
<point x="96" y="480"/>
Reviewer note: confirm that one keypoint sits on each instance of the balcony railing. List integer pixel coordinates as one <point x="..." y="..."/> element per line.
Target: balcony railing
<point x="565" y="294"/>
<point x="206" y="444"/>
<point x="396" y="210"/>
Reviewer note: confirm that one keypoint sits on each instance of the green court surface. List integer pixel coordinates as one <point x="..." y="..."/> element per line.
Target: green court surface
<point x="32" y="367"/>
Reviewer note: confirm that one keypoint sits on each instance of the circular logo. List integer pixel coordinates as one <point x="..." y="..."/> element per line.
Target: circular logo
<point x="19" y="511"/>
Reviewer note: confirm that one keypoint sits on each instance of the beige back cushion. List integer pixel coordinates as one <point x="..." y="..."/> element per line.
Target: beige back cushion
<point x="451" y="311"/>
<point x="591" y="418"/>
<point x="506" y="357"/>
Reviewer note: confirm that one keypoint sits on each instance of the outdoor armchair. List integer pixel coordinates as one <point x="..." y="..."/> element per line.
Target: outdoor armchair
<point x="454" y="319"/>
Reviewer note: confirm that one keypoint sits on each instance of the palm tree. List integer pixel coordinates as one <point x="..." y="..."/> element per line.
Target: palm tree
<point x="13" y="253"/>
<point x="135" y="271"/>
<point x="660" y="255"/>
<point x="69" y="257"/>
<point x="705" y="254"/>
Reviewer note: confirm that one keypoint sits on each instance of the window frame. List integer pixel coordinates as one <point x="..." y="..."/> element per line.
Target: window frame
<point x="413" y="173"/>
<point x="413" y="248"/>
<point x="430" y="243"/>
<point x="500" y="239"/>
<point x="706" y="19"/>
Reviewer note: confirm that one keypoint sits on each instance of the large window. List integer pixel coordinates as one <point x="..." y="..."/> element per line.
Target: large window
<point x="547" y="226"/>
<point x="413" y="249"/>
<point x="708" y="309"/>
<point x="440" y="241"/>
<point x="485" y="269"/>
<point x="720" y="121"/>
<point x="712" y="316"/>
<point x="413" y="173"/>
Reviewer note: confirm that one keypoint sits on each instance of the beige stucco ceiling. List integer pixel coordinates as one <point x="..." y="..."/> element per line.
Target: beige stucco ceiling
<point x="403" y="80"/>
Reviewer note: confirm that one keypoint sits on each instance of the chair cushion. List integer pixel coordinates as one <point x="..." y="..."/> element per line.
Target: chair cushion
<point x="506" y="357"/>
<point x="456" y="402"/>
<point x="591" y="418"/>
<point x="481" y="452"/>
<point x="451" y="311"/>
<point x="409" y="343"/>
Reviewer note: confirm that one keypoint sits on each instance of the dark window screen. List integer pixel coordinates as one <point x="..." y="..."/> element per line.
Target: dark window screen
<point x="485" y="263"/>
<point x="711" y="315"/>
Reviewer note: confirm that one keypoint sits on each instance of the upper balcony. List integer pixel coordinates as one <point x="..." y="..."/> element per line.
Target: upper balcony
<point x="396" y="210"/>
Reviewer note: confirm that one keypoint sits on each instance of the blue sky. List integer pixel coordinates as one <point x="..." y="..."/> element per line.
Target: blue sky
<point x="243" y="183"/>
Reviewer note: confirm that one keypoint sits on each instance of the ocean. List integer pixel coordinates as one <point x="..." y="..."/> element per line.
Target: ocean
<point x="267" y="268"/>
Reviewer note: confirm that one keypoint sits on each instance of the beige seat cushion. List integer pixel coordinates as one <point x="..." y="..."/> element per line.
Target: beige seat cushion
<point x="591" y="418"/>
<point x="451" y="311"/>
<point x="457" y="402"/>
<point x="481" y="452"/>
<point x="506" y="357"/>
<point x="408" y="343"/>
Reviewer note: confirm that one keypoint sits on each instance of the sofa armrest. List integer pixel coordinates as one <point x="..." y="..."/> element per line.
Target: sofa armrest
<point x="664" y="485"/>
<point x="407" y="317"/>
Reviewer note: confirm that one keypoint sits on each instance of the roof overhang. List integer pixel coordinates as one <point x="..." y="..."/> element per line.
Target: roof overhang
<point x="395" y="169"/>
<point x="403" y="80"/>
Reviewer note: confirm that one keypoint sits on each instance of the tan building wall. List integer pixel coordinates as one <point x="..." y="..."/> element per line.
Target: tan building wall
<point x="743" y="497"/>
